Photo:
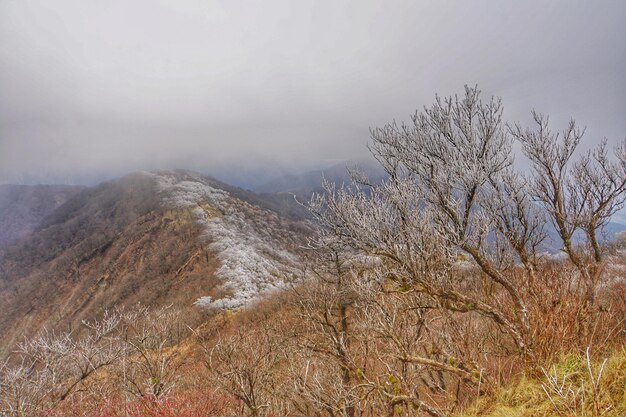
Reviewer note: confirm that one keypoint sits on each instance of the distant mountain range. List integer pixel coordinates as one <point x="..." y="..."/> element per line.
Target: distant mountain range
<point x="305" y="184"/>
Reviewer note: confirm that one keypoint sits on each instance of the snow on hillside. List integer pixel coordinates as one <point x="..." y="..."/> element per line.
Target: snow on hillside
<point x="246" y="238"/>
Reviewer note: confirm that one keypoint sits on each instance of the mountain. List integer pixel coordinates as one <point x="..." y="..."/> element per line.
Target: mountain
<point x="159" y="238"/>
<point x="305" y="184"/>
<point x="23" y="207"/>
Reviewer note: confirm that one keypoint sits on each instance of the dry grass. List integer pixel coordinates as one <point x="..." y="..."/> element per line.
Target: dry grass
<point x="556" y="381"/>
<point x="571" y="387"/>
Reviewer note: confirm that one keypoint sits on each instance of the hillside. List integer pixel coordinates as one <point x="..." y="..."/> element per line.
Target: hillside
<point x="23" y="207"/>
<point x="156" y="238"/>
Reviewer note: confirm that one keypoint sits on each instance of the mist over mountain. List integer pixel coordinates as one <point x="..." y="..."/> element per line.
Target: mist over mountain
<point x="22" y="208"/>
<point x="312" y="208"/>
<point x="304" y="184"/>
<point x="93" y="92"/>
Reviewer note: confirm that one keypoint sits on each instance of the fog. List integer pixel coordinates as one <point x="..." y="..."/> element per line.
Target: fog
<point x="249" y="90"/>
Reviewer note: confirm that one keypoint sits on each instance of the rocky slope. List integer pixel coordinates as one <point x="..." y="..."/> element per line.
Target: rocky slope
<point x="157" y="238"/>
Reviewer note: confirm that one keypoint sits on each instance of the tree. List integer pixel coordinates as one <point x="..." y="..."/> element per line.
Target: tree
<point x="453" y="194"/>
<point x="576" y="195"/>
<point x="244" y="365"/>
<point x="53" y="366"/>
<point x="151" y="362"/>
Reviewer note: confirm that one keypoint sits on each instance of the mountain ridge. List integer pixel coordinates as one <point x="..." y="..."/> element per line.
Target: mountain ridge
<point x="151" y="237"/>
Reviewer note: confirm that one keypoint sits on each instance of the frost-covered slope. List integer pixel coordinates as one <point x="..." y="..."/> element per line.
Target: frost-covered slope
<point x="156" y="238"/>
<point x="256" y="248"/>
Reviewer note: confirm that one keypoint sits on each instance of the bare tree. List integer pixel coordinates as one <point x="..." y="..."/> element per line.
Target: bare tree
<point x="23" y="390"/>
<point x="453" y="193"/>
<point x="445" y="171"/>
<point x="53" y="366"/>
<point x="151" y="362"/>
<point x="245" y="365"/>
<point x="578" y="194"/>
<point x="325" y="371"/>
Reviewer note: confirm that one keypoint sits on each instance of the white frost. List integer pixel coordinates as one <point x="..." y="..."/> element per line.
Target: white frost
<point x="246" y="239"/>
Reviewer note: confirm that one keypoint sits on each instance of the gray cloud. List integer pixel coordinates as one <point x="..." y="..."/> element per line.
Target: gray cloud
<point x="93" y="89"/>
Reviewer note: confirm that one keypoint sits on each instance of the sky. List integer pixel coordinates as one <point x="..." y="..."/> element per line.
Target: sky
<point x="248" y="90"/>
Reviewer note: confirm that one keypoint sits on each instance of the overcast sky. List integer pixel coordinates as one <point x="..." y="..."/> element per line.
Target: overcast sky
<point x="93" y="89"/>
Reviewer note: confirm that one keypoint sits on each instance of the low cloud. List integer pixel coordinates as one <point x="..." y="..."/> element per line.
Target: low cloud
<point x="91" y="90"/>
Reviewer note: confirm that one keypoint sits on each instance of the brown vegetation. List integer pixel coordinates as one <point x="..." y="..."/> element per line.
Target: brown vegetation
<point x="344" y="347"/>
<point x="426" y="295"/>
